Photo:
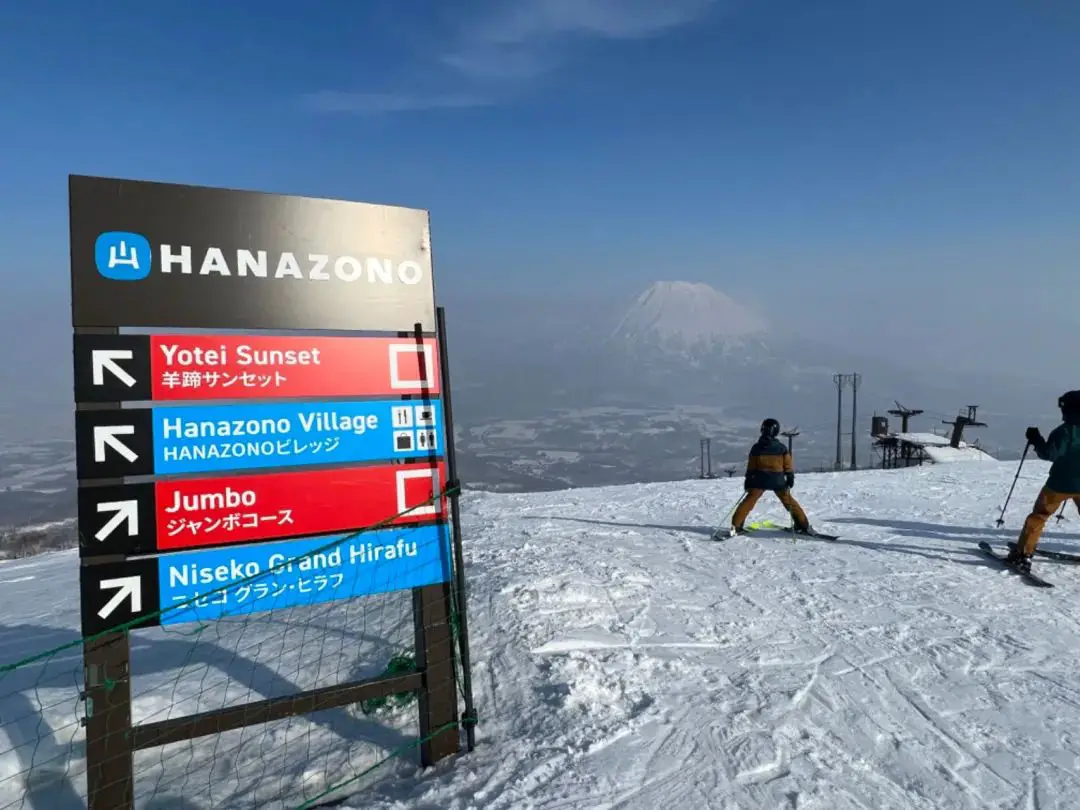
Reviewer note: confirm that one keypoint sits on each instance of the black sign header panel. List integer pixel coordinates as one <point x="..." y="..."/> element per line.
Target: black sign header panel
<point x="146" y="254"/>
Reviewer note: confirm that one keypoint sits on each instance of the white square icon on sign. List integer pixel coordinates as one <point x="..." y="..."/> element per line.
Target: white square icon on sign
<point x="425" y="415"/>
<point x="403" y="441"/>
<point x="421" y="476"/>
<point x="425" y="440"/>
<point x="405" y="366"/>
<point x="401" y="416"/>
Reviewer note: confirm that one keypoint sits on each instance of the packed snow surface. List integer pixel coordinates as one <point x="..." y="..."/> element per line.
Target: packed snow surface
<point x="624" y="660"/>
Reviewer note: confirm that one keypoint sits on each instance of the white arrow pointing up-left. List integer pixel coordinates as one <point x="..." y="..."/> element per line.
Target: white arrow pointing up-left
<point x="105" y="436"/>
<point x="123" y="512"/>
<point x="126" y="588"/>
<point x="102" y="360"/>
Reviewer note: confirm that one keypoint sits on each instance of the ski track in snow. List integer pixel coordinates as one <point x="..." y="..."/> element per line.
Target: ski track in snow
<point x="623" y="660"/>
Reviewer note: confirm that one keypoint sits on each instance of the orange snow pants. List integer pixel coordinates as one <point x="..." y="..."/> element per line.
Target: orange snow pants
<point x="1045" y="505"/>
<point x="750" y="499"/>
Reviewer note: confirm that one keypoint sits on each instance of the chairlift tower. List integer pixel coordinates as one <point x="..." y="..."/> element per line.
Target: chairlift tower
<point x="905" y="414"/>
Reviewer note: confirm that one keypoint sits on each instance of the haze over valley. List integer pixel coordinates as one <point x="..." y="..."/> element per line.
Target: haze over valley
<point x="596" y="391"/>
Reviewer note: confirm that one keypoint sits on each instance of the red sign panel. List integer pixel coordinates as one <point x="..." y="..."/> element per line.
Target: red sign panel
<point x="198" y="367"/>
<point x="202" y="512"/>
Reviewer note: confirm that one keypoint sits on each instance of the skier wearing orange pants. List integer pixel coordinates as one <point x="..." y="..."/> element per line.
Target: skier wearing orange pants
<point x="1062" y="447"/>
<point x="769" y="467"/>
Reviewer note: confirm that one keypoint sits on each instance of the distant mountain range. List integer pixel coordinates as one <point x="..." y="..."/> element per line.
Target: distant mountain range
<point x="628" y="394"/>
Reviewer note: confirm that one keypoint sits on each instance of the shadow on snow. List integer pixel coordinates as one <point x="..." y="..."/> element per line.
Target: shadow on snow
<point x="968" y="535"/>
<point x="940" y="531"/>
<point x="45" y="757"/>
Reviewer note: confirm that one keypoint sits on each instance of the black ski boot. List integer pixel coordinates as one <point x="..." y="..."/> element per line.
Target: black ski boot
<point x="1019" y="562"/>
<point x="810" y="531"/>
<point x="723" y="533"/>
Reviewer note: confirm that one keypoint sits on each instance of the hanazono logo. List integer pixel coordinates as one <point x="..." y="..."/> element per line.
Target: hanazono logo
<point x="123" y="256"/>
<point x="309" y="266"/>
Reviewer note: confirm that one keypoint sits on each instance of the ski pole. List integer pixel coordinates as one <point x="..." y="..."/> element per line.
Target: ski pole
<point x="1061" y="514"/>
<point x="1001" y="520"/>
<point x="734" y="506"/>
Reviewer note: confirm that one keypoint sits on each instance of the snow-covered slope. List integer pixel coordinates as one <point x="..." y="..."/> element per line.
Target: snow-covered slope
<point x="623" y="660"/>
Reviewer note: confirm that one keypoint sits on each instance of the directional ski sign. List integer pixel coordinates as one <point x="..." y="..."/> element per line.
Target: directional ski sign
<point x="201" y="367"/>
<point x="204" y="512"/>
<point x="267" y="421"/>
<point x="130" y="368"/>
<point x="193" y="513"/>
<point x="116" y="593"/>
<point x="209" y="584"/>
<point x="219" y="438"/>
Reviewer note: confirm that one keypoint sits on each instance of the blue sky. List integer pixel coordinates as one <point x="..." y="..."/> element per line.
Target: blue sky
<point x="817" y="158"/>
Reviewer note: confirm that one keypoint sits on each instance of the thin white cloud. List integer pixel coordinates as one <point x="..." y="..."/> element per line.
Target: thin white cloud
<point x="510" y="44"/>
<point x="524" y="40"/>
<point x="331" y="101"/>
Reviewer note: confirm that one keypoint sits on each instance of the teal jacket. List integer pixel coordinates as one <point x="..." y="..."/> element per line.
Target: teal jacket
<point x="1062" y="447"/>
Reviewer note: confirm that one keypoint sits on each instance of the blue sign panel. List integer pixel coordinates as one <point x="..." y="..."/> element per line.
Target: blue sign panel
<point x="347" y="566"/>
<point x="212" y="438"/>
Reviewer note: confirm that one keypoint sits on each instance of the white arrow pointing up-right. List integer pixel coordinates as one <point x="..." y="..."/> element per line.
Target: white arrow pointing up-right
<point x="123" y="512"/>
<point x="105" y="436"/>
<point x="102" y="360"/>
<point x="127" y="588"/>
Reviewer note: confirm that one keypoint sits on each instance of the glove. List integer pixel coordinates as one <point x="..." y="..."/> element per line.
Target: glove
<point x="790" y="479"/>
<point x="1033" y="435"/>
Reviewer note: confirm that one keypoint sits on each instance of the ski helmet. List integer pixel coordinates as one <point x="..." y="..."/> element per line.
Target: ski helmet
<point x="770" y="428"/>
<point x="1069" y="402"/>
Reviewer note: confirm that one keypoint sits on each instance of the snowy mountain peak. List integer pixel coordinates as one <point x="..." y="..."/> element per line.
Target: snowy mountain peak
<point x="688" y="315"/>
